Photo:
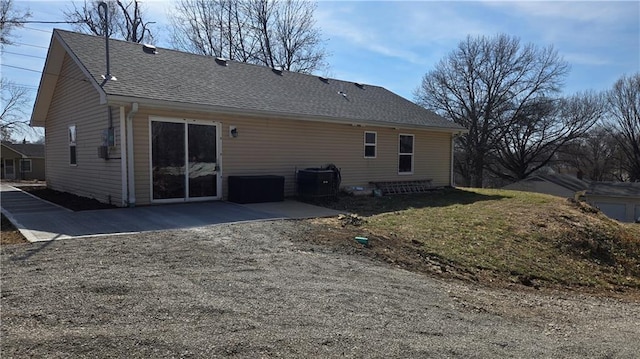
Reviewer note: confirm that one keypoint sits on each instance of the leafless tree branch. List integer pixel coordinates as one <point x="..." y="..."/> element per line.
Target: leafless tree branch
<point x="125" y="20"/>
<point x="10" y="19"/>
<point x="13" y="113"/>
<point x="488" y="85"/>
<point x="624" y="109"/>
<point x="274" y="33"/>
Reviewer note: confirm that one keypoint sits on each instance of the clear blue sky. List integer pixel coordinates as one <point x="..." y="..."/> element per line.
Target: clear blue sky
<point x="394" y="43"/>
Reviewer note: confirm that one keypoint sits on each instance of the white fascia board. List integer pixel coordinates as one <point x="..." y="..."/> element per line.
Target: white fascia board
<point x="182" y="106"/>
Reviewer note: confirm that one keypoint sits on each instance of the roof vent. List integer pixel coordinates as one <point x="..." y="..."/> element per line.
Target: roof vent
<point x="221" y="61"/>
<point x="344" y="94"/>
<point x="324" y="79"/>
<point x="277" y="69"/>
<point x="149" y="49"/>
<point x="359" y="85"/>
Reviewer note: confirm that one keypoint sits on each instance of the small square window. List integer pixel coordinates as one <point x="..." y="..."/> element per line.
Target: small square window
<point x="370" y="144"/>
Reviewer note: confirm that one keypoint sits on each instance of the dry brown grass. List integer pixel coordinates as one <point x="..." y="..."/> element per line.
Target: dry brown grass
<point x="497" y="237"/>
<point x="10" y="234"/>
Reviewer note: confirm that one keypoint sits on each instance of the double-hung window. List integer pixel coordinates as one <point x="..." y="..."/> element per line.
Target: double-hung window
<point x="73" y="160"/>
<point x="370" y="143"/>
<point x="25" y="165"/>
<point x="405" y="154"/>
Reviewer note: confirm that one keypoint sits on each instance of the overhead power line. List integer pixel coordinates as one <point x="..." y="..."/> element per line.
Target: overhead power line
<point x="34" y="29"/>
<point x="23" y="44"/>
<point x="21" y="68"/>
<point x="19" y="54"/>
<point x="43" y="22"/>
<point x="50" y="73"/>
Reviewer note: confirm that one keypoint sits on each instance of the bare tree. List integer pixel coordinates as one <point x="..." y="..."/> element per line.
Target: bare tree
<point x="10" y="19"/>
<point x="624" y="108"/>
<point x="297" y="43"/>
<point x="487" y="85"/>
<point x="541" y="129"/>
<point x="125" y="20"/>
<point x="266" y="32"/>
<point x="213" y="28"/>
<point x="260" y="14"/>
<point x="595" y="156"/>
<point x="15" y="102"/>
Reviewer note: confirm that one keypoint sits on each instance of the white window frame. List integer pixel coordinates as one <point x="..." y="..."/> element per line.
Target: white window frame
<point x="412" y="153"/>
<point x="374" y="144"/>
<point x="73" y="140"/>
<point x="9" y="163"/>
<point x="26" y="160"/>
<point x="186" y="122"/>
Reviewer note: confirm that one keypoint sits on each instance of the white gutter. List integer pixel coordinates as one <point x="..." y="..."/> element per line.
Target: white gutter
<point x="222" y="110"/>
<point x="123" y="154"/>
<point x="131" y="189"/>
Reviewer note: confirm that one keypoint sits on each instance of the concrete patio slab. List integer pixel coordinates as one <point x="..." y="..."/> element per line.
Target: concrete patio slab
<point x="292" y="209"/>
<point x="39" y="220"/>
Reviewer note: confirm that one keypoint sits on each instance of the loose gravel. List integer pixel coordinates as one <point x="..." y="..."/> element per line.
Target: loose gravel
<point x="261" y="290"/>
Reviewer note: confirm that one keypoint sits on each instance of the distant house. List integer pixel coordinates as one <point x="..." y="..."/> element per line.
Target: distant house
<point x="173" y="127"/>
<point x="618" y="200"/>
<point x="22" y="161"/>
<point x="554" y="184"/>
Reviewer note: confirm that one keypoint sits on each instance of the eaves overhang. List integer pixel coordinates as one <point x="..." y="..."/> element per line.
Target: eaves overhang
<point x="119" y="100"/>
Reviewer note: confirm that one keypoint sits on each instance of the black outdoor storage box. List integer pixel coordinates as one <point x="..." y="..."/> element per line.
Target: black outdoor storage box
<point x="316" y="183"/>
<point x="256" y="189"/>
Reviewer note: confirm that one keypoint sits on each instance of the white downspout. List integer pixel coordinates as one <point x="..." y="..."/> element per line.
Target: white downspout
<point x="130" y="164"/>
<point x="123" y="154"/>
<point x="451" y="179"/>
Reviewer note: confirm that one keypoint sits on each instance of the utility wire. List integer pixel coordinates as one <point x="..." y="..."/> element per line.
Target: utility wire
<point x="19" y="54"/>
<point x="33" y="87"/>
<point x="42" y="22"/>
<point x="48" y="73"/>
<point x="34" y="29"/>
<point x="23" y="44"/>
<point x="21" y="68"/>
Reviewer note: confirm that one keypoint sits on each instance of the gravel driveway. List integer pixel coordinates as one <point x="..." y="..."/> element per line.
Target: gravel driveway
<point x="259" y="290"/>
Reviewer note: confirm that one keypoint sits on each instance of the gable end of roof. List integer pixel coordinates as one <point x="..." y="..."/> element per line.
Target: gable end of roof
<point x="51" y="75"/>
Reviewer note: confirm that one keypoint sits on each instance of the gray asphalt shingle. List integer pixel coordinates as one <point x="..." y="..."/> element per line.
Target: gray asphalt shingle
<point x="30" y="150"/>
<point x="181" y="77"/>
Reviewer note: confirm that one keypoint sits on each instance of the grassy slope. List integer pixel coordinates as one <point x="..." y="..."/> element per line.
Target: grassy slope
<point x="507" y="236"/>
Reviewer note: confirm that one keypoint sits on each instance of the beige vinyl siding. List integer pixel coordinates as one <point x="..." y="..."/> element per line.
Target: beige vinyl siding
<point x="11" y="155"/>
<point x="37" y="169"/>
<point x="76" y="102"/>
<point x="278" y="147"/>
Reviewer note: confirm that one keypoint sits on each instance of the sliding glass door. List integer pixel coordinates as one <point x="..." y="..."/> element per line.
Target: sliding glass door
<point x="184" y="160"/>
<point x="202" y="157"/>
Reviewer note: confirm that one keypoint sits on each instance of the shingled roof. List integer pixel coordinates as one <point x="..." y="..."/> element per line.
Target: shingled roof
<point x="183" y="79"/>
<point x="615" y="189"/>
<point x="27" y="150"/>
